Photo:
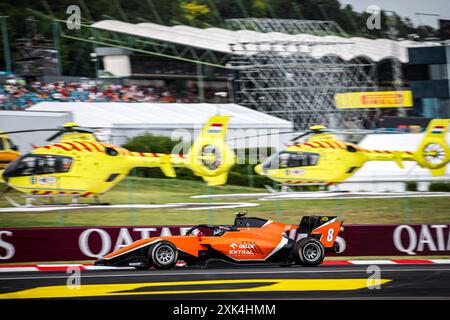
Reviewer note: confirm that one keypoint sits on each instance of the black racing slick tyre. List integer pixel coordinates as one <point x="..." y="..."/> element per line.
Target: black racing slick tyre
<point x="163" y="255"/>
<point x="308" y="252"/>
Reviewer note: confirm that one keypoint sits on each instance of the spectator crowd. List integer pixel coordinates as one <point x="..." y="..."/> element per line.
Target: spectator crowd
<point x="18" y="94"/>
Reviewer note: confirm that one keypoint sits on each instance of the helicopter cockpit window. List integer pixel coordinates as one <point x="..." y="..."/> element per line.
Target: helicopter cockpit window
<point x="291" y="159"/>
<point x="12" y="145"/>
<point x="40" y="164"/>
<point x="2" y="145"/>
<point x="302" y="159"/>
<point x="53" y="164"/>
<point x="26" y="166"/>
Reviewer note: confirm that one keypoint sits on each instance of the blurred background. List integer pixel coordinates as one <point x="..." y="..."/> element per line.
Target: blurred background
<point x="136" y="71"/>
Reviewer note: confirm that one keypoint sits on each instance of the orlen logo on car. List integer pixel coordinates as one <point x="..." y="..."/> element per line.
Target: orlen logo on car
<point x="242" y="249"/>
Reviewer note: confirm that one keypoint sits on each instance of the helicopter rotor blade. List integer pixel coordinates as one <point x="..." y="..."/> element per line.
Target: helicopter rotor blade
<point x="31" y="130"/>
<point x="261" y="135"/>
<point x="344" y="132"/>
<point x="54" y="136"/>
<point x="302" y="135"/>
<point x="59" y="131"/>
<point x="305" y="133"/>
<point x="82" y="130"/>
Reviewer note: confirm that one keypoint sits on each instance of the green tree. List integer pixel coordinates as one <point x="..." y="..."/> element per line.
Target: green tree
<point x="193" y="11"/>
<point x="150" y="143"/>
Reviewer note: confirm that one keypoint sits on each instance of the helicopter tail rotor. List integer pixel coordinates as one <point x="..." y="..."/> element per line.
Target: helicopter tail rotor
<point x="209" y="156"/>
<point x="433" y="151"/>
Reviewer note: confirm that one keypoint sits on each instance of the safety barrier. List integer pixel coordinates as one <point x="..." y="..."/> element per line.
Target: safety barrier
<point x="91" y="243"/>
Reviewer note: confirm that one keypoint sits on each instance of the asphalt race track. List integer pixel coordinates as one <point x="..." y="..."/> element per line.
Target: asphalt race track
<point x="324" y="282"/>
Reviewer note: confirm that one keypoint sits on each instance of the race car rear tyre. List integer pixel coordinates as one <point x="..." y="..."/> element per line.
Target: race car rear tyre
<point x="308" y="252"/>
<point x="163" y="255"/>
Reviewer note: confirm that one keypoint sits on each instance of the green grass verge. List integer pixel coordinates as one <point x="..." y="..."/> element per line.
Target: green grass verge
<point x="159" y="191"/>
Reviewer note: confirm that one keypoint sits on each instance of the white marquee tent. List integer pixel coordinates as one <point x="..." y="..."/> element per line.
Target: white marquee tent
<point x="121" y="121"/>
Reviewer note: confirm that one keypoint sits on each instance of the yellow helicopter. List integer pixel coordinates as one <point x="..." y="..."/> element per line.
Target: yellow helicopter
<point x="323" y="159"/>
<point x="81" y="166"/>
<point x="8" y="150"/>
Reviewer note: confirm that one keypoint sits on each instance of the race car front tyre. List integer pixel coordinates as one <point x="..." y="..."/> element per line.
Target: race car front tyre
<point x="163" y="255"/>
<point x="308" y="252"/>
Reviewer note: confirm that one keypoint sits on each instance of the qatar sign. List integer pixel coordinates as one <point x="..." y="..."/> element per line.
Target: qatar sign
<point x="92" y="243"/>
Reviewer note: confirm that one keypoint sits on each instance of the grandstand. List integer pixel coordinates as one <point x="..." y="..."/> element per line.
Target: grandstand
<point x="218" y="40"/>
<point x="18" y="94"/>
<point x="188" y="64"/>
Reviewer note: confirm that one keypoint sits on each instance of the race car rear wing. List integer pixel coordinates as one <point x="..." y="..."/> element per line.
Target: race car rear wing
<point x="309" y="223"/>
<point x="324" y="228"/>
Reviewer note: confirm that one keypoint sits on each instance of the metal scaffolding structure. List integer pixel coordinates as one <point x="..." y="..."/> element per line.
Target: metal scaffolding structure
<point x="397" y="76"/>
<point x="285" y="79"/>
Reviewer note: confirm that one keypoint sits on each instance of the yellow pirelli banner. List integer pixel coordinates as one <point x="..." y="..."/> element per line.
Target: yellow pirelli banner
<point x="374" y="99"/>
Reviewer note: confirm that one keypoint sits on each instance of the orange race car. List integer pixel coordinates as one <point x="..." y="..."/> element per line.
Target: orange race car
<point x="248" y="240"/>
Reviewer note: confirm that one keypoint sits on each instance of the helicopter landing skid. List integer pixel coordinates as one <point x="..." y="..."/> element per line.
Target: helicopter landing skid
<point x="28" y="202"/>
<point x="35" y="201"/>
